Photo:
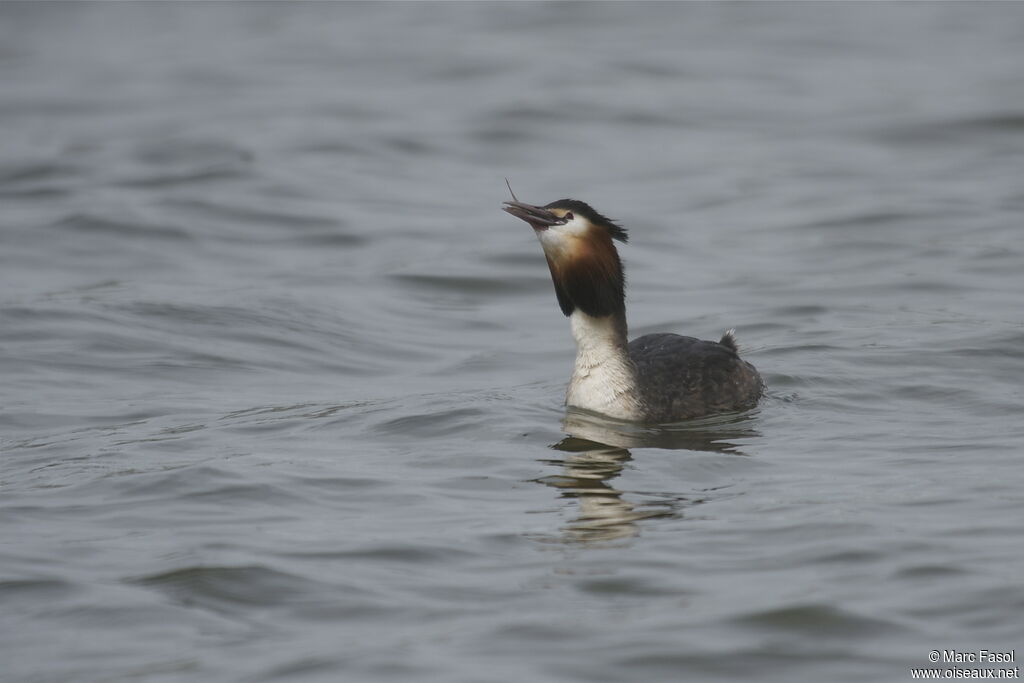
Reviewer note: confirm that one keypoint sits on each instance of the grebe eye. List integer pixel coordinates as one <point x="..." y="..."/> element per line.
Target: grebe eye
<point x="567" y="216"/>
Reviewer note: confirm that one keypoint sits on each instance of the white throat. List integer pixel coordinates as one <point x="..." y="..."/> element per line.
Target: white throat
<point x="604" y="378"/>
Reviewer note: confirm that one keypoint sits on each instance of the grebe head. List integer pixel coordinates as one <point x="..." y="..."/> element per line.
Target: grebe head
<point x="577" y="242"/>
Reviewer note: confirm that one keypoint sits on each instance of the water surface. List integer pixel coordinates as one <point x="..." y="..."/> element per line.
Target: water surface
<point x="282" y="386"/>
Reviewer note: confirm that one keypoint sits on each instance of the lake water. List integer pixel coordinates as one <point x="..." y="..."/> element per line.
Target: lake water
<point x="282" y="386"/>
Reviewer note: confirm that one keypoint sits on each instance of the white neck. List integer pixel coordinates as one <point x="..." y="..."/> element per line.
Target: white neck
<point x="603" y="379"/>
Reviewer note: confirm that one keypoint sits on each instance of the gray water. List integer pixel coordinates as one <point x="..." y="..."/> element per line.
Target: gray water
<point x="281" y="385"/>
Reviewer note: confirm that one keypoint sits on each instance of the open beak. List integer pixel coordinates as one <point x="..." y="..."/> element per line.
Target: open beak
<point x="538" y="217"/>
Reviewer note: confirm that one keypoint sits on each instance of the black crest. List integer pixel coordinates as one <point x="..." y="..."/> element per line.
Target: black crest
<point x="583" y="209"/>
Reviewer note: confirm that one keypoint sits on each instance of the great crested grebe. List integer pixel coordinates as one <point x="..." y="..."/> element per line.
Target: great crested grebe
<point x="655" y="378"/>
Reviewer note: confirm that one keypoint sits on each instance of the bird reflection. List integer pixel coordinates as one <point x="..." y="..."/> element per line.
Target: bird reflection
<point x="596" y="450"/>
